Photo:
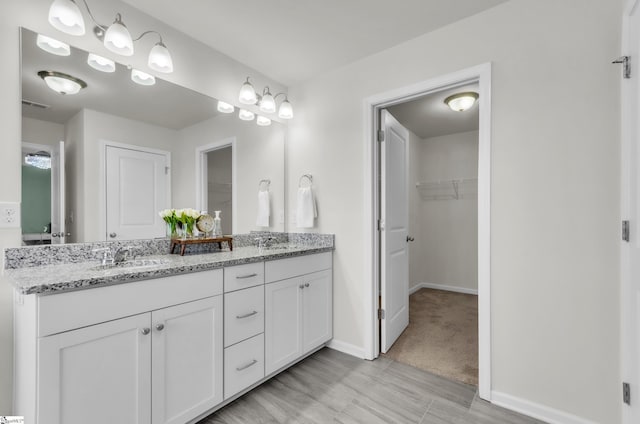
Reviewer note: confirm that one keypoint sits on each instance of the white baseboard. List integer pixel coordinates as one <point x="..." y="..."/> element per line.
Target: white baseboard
<point x="456" y="289"/>
<point x="347" y="348"/>
<point x="535" y="410"/>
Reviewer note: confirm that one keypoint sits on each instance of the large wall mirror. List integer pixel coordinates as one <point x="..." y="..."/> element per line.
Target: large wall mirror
<point x="115" y="130"/>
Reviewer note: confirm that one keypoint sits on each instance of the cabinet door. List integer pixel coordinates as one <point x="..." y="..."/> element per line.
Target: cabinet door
<point x="283" y="314"/>
<point x="98" y="374"/>
<point x="187" y="360"/>
<point x="317" y="318"/>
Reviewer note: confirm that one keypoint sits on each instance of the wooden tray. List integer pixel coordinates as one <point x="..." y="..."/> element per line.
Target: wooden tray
<point x="184" y="242"/>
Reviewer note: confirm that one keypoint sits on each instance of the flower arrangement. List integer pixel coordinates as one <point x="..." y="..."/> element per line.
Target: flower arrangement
<point x="169" y="216"/>
<point x="182" y="219"/>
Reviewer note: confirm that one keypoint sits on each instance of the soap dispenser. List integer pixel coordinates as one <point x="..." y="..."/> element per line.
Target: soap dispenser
<point x="217" y="225"/>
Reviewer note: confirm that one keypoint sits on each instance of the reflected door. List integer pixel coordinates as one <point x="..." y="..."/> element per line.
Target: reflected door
<point x="137" y="184"/>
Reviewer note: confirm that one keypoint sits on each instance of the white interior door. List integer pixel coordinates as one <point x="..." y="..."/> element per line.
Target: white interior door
<point x="58" y="195"/>
<point x="394" y="214"/>
<point x="136" y="190"/>
<point x="630" y="293"/>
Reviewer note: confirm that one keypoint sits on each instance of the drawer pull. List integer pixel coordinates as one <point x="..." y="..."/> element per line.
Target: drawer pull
<point x="242" y="277"/>
<point x="250" y="314"/>
<point x="244" y="367"/>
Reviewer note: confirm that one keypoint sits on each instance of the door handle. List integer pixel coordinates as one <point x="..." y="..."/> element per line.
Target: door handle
<point x="409" y="238"/>
<point x="112" y="235"/>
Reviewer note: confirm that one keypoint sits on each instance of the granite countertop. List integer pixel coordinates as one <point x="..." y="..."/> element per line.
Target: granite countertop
<point x="59" y="278"/>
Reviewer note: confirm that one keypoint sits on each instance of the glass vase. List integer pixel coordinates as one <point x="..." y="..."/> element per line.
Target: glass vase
<point x="171" y="230"/>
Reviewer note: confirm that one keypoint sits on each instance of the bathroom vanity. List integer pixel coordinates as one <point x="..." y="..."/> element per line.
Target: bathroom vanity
<point x="166" y="342"/>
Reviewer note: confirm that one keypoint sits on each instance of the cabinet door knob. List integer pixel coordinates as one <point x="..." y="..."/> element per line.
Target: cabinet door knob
<point x="145" y="331"/>
<point x="306" y="284"/>
<point x="301" y="286"/>
<point x="160" y="327"/>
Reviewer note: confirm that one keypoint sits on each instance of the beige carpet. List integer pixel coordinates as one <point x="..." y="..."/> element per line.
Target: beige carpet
<point x="442" y="336"/>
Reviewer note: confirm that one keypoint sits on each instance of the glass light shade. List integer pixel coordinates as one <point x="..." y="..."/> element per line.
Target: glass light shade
<point x="142" y="78"/>
<point x="247" y="94"/>
<point x="40" y="160"/>
<point x="225" y="107"/>
<point x="62" y="83"/>
<point x="285" y="111"/>
<point x="461" y="101"/>
<point x="268" y="103"/>
<point x="53" y="46"/>
<point x="65" y="16"/>
<point x="263" y="121"/>
<point x="118" y="40"/>
<point x="160" y="59"/>
<point x="100" y="63"/>
<point x="246" y="115"/>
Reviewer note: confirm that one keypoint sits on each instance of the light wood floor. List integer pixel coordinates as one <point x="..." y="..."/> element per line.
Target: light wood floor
<point x="332" y="387"/>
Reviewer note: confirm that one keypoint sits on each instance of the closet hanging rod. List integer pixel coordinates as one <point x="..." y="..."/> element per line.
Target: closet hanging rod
<point x="308" y="177"/>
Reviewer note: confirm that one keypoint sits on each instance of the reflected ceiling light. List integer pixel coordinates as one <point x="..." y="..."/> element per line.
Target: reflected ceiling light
<point x="247" y="94"/>
<point x="142" y="78"/>
<point x="225" y="107"/>
<point x="461" y="101"/>
<point x="62" y="83"/>
<point x="285" y="111"/>
<point x="263" y="121"/>
<point x="39" y="159"/>
<point x="246" y="115"/>
<point x="100" y="63"/>
<point x="65" y="16"/>
<point x="53" y="46"/>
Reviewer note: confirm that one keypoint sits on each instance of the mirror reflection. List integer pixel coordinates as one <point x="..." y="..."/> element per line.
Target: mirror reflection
<point x="127" y="145"/>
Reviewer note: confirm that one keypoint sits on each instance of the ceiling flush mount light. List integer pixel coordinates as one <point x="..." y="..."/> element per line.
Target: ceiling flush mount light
<point x="53" y="46"/>
<point x="65" y="16"/>
<point x="62" y="83"/>
<point x="100" y="63"/>
<point x="461" y="101"/>
<point x="246" y="115"/>
<point x="225" y="107"/>
<point x="266" y="102"/>
<point x="263" y="121"/>
<point x="142" y="78"/>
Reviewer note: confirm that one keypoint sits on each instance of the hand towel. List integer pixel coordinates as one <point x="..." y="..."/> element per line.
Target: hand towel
<point x="263" y="209"/>
<point x="306" y="211"/>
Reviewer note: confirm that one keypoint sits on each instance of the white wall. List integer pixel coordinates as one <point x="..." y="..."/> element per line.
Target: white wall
<point x="41" y="132"/>
<point x="555" y="188"/>
<point x="445" y="252"/>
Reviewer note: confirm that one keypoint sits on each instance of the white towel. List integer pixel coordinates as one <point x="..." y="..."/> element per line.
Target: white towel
<point x="307" y="211"/>
<point x="263" y="209"/>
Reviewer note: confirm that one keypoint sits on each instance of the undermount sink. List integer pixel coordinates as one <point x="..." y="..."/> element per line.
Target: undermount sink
<point x="134" y="263"/>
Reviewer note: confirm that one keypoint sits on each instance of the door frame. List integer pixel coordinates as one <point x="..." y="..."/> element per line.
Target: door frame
<point x="372" y="106"/>
<point x="102" y="186"/>
<point x="202" y="171"/>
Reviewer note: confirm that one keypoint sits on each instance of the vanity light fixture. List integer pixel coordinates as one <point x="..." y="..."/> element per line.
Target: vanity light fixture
<point x="100" y="63"/>
<point x="285" y="111"/>
<point x="225" y="107"/>
<point x="246" y="115"/>
<point x="142" y="78"/>
<point x="263" y="121"/>
<point x="65" y="16"/>
<point x="247" y="94"/>
<point x="461" y="101"/>
<point x="62" y="83"/>
<point x="266" y="102"/>
<point x="53" y="46"/>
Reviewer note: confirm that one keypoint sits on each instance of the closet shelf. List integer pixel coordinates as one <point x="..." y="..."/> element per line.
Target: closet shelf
<point x="461" y="188"/>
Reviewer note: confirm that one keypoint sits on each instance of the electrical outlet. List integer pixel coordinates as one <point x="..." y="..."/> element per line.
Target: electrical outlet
<point x="9" y="215"/>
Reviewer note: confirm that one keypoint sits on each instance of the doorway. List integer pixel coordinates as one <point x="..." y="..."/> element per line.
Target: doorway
<point x="373" y="105"/>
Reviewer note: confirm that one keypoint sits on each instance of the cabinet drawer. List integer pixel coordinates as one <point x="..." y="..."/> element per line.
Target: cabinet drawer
<point x="243" y="314"/>
<point x="243" y="276"/>
<point x="282" y="269"/>
<point x="75" y="309"/>
<point x="243" y="365"/>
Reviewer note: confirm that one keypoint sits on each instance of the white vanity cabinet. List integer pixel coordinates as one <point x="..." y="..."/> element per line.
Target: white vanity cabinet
<point x="298" y="308"/>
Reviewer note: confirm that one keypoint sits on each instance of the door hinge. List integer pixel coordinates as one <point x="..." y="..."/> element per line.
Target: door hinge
<point x="380" y="313"/>
<point x="380" y="136"/>
<point x="625" y="231"/>
<point x="626" y="393"/>
<point x="626" y="66"/>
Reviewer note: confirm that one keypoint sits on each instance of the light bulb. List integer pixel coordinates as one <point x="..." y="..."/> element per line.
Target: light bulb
<point x="286" y="110"/>
<point x="142" y="78"/>
<point x="225" y="107"/>
<point x="65" y="16"/>
<point x="263" y="121"/>
<point x="246" y="115"/>
<point x="117" y="38"/>
<point x="53" y="46"/>
<point x="160" y="59"/>
<point x="100" y="63"/>
<point x="268" y="103"/>
<point x="247" y="94"/>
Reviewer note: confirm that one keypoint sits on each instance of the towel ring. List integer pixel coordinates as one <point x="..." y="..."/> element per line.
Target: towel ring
<point x="308" y="177"/>
<point x="267" y="182"/>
